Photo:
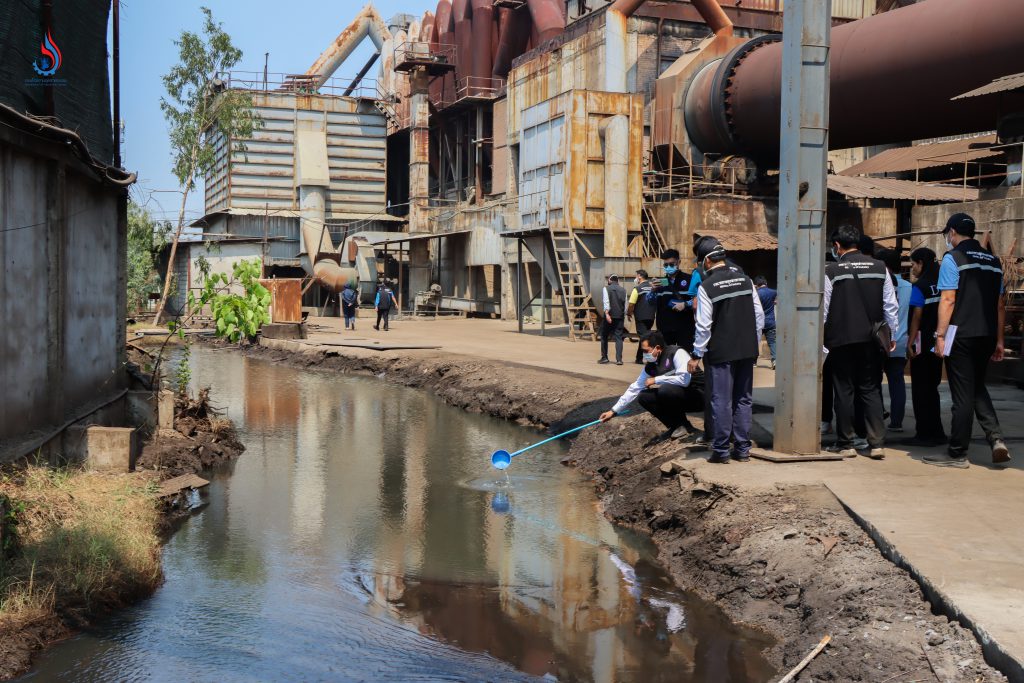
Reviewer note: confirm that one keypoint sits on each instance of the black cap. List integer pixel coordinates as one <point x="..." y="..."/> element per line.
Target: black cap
<point x="706" y="246"/>
<point x="613" y="277"/>
<point x="962" y="223"/>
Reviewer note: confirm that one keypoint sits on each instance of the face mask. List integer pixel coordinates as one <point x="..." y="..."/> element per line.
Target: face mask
<point x="834" y="252"/>
<point x="949" y="243"/>
<point x="636" y="281"/>
<point x="649" y="357"/>
<point x="671" y="270"/>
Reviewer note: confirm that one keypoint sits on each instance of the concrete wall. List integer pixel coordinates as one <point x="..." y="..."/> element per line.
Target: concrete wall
<point x="1004" y="217"/>
<point x="61" y="288"/>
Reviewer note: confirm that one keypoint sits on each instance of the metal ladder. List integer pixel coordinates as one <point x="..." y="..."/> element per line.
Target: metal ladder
<point x="385" y="104"/>
<point x="653" y="239"/>
<point x="575" y="295"/>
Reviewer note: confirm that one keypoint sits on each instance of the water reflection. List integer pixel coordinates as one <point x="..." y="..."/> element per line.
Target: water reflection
<point x="364" y="536"/>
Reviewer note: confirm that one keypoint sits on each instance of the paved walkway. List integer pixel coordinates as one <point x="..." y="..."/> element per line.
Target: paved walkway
<point x="961" y="531"/>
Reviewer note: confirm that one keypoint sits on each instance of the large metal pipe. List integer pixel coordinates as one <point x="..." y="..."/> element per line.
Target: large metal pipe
<point x="515" y="33"/>
<point x="366" y="24"/>
<point x="713" y="14"/>
<point x="463" y="39"/>
<point x="483" y="18"/>
<point x="615" y="133"/>
<point x="892" y="79"/>
<point x="444" y="29"/>
<point x="547" y="18"/>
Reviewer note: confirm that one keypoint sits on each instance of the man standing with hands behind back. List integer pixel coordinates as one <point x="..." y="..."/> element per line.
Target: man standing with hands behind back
<point x="728" y="332"/>
<point x="970" y="332"/>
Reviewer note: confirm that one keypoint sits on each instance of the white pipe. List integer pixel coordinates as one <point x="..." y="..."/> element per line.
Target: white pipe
<point x="615" y="51"/>
<point x="367" y="23"/>
<point x="615" y="131"/>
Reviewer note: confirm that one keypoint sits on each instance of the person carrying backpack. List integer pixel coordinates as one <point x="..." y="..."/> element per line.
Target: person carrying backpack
<point x="349" y="299"/>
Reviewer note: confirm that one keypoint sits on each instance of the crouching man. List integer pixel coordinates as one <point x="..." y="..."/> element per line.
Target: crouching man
<point x="665" y="388"/>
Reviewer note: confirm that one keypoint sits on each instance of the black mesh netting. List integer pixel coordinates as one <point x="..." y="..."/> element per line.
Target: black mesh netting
<point x="81" y="94"/>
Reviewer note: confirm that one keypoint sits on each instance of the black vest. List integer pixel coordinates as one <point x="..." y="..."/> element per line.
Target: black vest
<point x="616" y="301"/>
<point x="928" y="286"/>
<point x="665" y="363"/>
<point x="976" y="313"/>
<point x="857" y="285"/>
<point x="733" y="320"/>
<point x="645" y="308"/>
<point x="384" y="303"/>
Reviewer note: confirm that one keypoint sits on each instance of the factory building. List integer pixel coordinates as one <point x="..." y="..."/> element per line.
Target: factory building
<point x="513" y="152"/>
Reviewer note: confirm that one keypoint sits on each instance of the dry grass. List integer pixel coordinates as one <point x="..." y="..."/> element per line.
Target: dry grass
<point x="85" y="542"/>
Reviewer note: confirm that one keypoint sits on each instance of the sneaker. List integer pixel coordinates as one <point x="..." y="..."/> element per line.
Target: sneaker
<point x="1000" y="453"/>
<point x="946" y="460"/>
<point x="845" y="451"/>
<point x="876" y="454"/>
<point x="741" y="457"/>
<point x="681" y="432"/>
<point x="700" y="443"/>
<point x="603" y="361"/>
<point x="860" y="444"/>
<point x="826" y="427"/>
<point x="718" y="459"/>
<point x="773" y="365"/>
<point x="618" y="362"/>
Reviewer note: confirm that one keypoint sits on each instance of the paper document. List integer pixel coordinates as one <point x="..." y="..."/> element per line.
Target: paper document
<point x="950" y="338"/>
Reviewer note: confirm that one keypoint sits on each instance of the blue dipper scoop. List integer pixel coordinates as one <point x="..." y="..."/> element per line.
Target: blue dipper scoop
<point x="502" y="459"/>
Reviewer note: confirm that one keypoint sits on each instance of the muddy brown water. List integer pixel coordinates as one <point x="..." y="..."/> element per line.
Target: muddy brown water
<point x="364" y="536"/>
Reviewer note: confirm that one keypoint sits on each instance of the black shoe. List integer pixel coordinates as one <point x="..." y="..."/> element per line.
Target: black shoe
<point x="603" y="361"/>
<point x="741" y="457"/>
<point x="376" y="327"/>
<point x="719" y="459"/>
<point x="946" y="460"/>
<point x="618" y="362"/>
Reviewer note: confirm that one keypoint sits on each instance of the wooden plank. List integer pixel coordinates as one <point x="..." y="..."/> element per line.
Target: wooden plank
<point x="773" y="456"/>
<point x="177" y="484"/>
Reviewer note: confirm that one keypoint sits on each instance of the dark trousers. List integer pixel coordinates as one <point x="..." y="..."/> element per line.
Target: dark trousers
<point x="925" y="378"/>
<point x="670" y="403"/>
<point x="857" y="378"/>
<point x="966" y="366"/>
<point x="642" y="328"/>
<point x="383" y="314"/>
<point x="828" y="392"/>
<point x="897" y="389"/>
<point x="615" y="329"/>
<point x="680" y="332"/>
<point x="731" y="387"/>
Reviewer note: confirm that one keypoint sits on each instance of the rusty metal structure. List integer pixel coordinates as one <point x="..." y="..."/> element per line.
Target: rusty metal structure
<point x="595" y="133"/>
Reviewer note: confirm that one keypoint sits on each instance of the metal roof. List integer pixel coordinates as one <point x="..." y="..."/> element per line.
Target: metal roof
<point x="406" y="237"/>
<point x="734" y="240"/>
<point x="926" y="156"/>
<point x="1001" y="84"/>
<point x="889" y="188"/>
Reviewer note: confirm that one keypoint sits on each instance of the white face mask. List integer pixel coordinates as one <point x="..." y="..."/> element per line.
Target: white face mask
<point x="834" y="252"/>
<point x="636" y="281"/>
<point x="649" y="357"/>
<point x="949" y="242"/>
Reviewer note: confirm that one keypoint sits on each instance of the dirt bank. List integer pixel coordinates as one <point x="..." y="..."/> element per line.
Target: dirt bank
<point x="787" y="560"/>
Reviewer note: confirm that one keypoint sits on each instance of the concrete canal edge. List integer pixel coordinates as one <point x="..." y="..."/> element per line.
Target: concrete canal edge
<point x="876" y="609"/>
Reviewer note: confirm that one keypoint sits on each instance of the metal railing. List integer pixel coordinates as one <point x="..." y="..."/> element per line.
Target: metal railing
<point x="259" y="81"/>
<point x="965" y="179"/>
<point x="415" y="55"/>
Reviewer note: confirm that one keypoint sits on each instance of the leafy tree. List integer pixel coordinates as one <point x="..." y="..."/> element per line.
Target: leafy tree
<point x="200" y="113"/>
<point x="236" y="316"/>
<point x="146" y="237"/>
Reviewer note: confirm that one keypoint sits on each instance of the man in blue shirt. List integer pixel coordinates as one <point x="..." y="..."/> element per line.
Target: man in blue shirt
<point x="972" y="313"/>
<point x="767" y="295"/>
<point x="382" y="303"/>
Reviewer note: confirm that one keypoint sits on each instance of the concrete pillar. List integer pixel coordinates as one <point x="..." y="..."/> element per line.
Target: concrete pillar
<point x="804" y="157"/>
<point x="419" y="153"/>
<point x="616" y="181"/>
<point x="102" y="448"/>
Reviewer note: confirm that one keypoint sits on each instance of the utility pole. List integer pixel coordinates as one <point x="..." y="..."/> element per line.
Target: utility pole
<point x="802" y="212"/>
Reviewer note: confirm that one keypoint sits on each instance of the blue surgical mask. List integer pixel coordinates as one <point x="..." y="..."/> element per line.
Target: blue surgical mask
<point x="671" y="270"/>
<point x="834" y="252"/>
<point x="949" y="243"/>
<point x="649" y="357"/>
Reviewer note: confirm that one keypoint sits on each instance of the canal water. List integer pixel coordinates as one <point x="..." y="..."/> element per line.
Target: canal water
<point x="364" y="536"/>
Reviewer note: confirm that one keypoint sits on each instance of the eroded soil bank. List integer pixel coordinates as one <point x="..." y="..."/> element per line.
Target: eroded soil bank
<point x="78" y="544"/>
<point x="787" y="560"/>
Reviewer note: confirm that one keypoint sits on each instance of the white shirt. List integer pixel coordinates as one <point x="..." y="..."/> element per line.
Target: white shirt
<point x="705" y="317"/>
<point x="680" y="377"/>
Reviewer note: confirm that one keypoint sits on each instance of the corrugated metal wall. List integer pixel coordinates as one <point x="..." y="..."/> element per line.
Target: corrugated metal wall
<point x="262" y="176"/>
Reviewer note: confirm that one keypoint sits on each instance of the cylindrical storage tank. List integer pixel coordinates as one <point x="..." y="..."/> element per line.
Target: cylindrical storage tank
<point x="483" y="18"/>
<point x="893" y="76"/>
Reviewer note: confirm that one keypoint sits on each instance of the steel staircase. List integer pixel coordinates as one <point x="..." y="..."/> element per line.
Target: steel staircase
<point x="579" y="307"/>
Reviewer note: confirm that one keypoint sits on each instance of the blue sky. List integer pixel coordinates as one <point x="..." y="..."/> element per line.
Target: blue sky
<point x="294" y="32"/>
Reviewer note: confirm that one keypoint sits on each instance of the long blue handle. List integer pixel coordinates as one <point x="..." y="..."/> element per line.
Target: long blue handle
<point x="557" y="436"/>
